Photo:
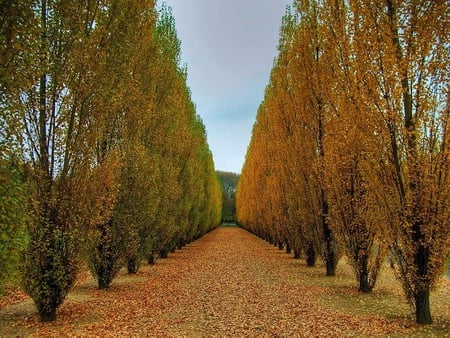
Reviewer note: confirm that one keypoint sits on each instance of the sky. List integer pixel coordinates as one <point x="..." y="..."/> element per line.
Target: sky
<point x="228" y="47"/>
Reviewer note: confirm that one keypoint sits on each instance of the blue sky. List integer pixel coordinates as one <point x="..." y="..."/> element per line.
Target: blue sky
<point x="229" y="47"/>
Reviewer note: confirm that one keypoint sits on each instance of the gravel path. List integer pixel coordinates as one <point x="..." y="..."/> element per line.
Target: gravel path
<point x="228" y="283"/>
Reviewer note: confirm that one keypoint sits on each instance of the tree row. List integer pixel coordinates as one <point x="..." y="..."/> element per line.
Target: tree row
<point x="349" y="152"/>
<point x="104" y="162"/>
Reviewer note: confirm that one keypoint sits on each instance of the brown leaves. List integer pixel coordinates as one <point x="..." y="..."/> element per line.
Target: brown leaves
<point x="228" y="283"/>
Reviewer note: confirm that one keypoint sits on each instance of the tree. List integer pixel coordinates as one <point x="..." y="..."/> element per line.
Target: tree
<point x="406" y="75"/>
<point x="117" y="141"/>
<point x="355" y="216"/>
<point x="229" y="182"/>
<point x="51" y="115"/>
<point x="54" y="112"/>
<point x="176" y="139"/>
<point x="311" y="82"/>
<point x="360" y="95"/>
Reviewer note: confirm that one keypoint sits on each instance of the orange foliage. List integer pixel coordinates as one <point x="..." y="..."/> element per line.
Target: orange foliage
<point x="351" y="143"/>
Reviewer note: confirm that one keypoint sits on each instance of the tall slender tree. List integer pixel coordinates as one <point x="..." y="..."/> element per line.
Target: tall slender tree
<point x="355" y="215"/>
<point x="52" y="113"/>
<point x="403" y="47"/>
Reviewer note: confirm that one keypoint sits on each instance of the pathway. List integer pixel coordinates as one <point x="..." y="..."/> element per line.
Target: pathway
<point x="228" y="283"/>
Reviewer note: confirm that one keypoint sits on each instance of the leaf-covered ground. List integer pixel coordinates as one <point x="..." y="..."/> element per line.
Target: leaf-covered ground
<point x="228" y="283"/>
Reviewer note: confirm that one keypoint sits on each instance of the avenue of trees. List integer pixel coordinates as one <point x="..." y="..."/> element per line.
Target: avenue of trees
<point x="350" y="149"/>
<point x="103" y="160"/>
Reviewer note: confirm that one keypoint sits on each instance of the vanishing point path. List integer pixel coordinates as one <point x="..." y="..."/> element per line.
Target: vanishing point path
<point x="228" y="283"/>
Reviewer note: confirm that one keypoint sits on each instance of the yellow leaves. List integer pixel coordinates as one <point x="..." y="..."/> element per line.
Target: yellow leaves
<point x="103" y="185"/>
<point x="229" y="283"/>
<point x="354" y="116"/>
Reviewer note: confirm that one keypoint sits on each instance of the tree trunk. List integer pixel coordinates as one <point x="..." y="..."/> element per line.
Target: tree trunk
<point x="330" y="254"/>
<point x="288" y="248"/>
<point x="296" y="253"/>
<point x="103" y="282"/>
<point x="331" y="267"/>
<point x="280" y="245"/>
<point x="182" y="244"/>
<point x="422" y="261"/>
<point x="104" y="259"/>
<point x="310" y="257"/>
<point x="364" y="285"/>
<point x="151" y="260"/>
<point x="422" y="303"/>
<point x="47" y="315"/>
<point x="163" y="253"/>
<point x="132" y="265"/>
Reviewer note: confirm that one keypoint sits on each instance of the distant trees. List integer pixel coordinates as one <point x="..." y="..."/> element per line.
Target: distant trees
<point x="349" y="148"/>
<point x="229" y="182"/>
<point x="110" y="159"/>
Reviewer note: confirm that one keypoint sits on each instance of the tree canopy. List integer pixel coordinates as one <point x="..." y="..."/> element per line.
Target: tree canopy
<point x="115" y="161"/>
<point x="349" y="151"/>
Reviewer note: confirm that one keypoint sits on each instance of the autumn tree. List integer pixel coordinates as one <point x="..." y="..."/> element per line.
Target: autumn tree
<point x="117" y="141"/>
<point x="17" y="30"/>
<point x="115" y="155"/>
<point x="49" y="113"/>
<point x="212" y="214"/>
<point x="53" y="110"/>
<point x="159" y="195"/>
<point x="280" y="160"/>
<point x="363" y="93"/>
<point x="402" y="47"/>
<point x="249" y="197"/>
<point x="175" y="139"/>
<point x="295" y="153"/>
<point x="355" y="215"/>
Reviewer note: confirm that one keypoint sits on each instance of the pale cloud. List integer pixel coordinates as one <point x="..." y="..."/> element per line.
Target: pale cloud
<point x="229" y="47"/>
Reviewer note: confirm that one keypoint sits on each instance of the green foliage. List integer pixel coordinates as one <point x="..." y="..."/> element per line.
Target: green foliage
<point x="51" y="266"/>
<point x="13" y="218"/>
<point x="99" y="111"/>
<point x="166" y="35"/>
<point x="106" y="252"/>
<point x="229" y="182"/>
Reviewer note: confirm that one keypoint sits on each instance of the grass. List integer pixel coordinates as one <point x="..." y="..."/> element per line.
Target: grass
<point x="340" y="293"/>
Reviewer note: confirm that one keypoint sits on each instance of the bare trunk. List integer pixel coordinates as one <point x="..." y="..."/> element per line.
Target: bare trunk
<point x="288" y="248"/>
<point x="310" y="256"/>
<point x="163" y="253"/>
<point x="47" y="314"/>
<point x="422" y="304"/>
<point x="364" y="285"/>
<point x="151" y="259"/>
<point x="280" y="245"/>
<point x="132" y="265"/>
<point x="331" y="267"/>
